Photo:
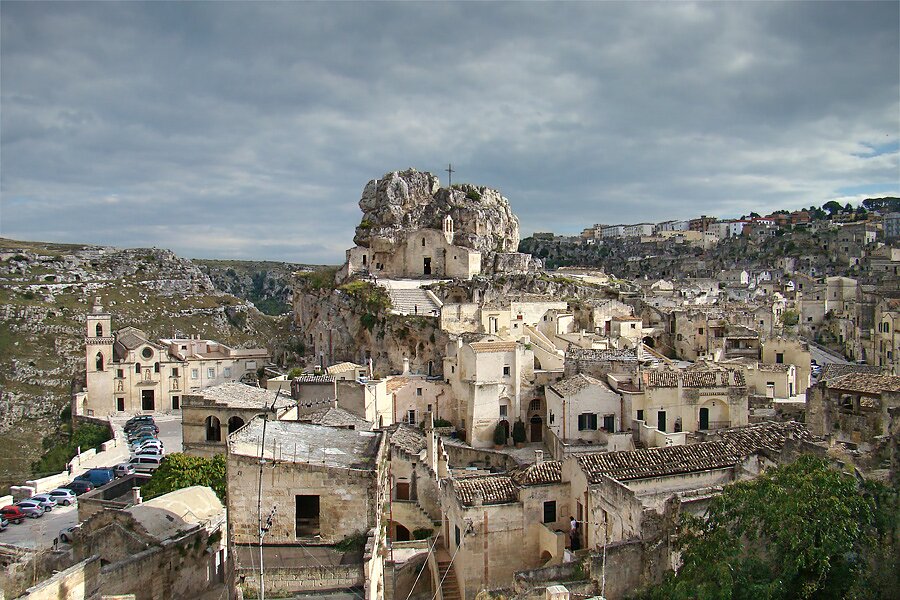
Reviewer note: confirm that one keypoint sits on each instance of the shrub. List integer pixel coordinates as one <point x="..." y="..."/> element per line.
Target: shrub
<point x="442" y="423"/>
<point x="518" y="432"/>
<point x="179" y="470"/>
<point x="422" y="533"/>
<point x="499" y="435"/>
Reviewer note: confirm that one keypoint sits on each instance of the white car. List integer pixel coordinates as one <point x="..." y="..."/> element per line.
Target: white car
<point x="63" y="496"/>
<point x="154" y="450"/>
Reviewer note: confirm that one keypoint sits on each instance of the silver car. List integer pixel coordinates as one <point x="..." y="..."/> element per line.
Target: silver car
<point x="46" y="500"/>
<point x="31" y="508"/>
<point x="63" y="496"/>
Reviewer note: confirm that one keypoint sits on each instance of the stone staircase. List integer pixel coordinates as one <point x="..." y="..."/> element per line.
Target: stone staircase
<point x="447" y="575"/>
<point x="414" y="301"/>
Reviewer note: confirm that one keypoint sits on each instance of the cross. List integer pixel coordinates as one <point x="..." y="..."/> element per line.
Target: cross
<point x="450" y="173"/>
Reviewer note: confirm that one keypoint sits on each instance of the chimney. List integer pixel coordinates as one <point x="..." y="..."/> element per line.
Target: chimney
<point x="538" y="457"/>
<point x="136" y="495"/>
<point x="477" y="498"/>
<point x="406" y="365"/>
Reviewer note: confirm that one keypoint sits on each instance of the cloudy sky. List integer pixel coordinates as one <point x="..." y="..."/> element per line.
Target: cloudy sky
<point x="249" y="130"/>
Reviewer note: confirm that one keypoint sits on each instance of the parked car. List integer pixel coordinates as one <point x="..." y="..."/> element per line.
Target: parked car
<point x="153" y="429"/>
<point x="65" y="535"/>
<point x="137" y="441"/>
<point x="147" y="443"/>
<point x="148" y="450"/>
<point x="46" y="501"/>
<point x="79" y="486"/>
<point x="63" y="496"/>
<point x="3" y="523"/>
<point x="137" y="421"/>
<point x="13" y="514"/>
<point x="98" y="477"/>
<point x="144" y="463"/>
<point x="31" y="508"/>
<point x="123" y="469"/>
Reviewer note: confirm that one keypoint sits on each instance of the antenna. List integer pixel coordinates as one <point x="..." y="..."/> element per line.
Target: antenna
<point x="262" y="462"/>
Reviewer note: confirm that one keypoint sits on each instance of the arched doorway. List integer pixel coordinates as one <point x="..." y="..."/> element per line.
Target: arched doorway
<point x="648" y="341"/>
<point x="213" y="429"/>
<point x="537" y="364"/>
<point x="505" y="425"/>
<point x="714" y="414"/>
<point x="234" y="423"/>
<point x="401" y="533"/>
<point x="537" y="429"/>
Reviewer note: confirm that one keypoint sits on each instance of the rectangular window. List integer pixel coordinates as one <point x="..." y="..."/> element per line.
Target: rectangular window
<point x="418" y="391"/>
<point x="195" y="373"/>
<point x="609" y="423"/>
<point x="137" y="368"/>
<point x="587" y="422"/>
<point x="411" y="417"/>
<point x="550" y="511"/>
<point x="456" y="535"/>
<point x="506" y="371"/>
<point x="226" y="372"/>
<point x="120" y="373"/>
<point x="307" y="515"/>
<point x="700" y="331"/>
<point x="779" y="357"/>
<point x="176" y="402"/>
<point x="640" y="414"/>
<point x="174" y="371"/>
<point x="210" y="372"/>
<point x="120" y="404"/>
<point x="503" y="410"/>
<point x="429" y="408"/>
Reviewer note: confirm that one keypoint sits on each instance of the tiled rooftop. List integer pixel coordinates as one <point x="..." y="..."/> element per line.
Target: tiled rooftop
<point x="764" y="436"/>
<point x="343" y="368"/>
<point x="494" y="489"/>
<point x="307" y="378"/>
<point x="656" y="462"/>
<point x="711" y="378"/>
<point x="336" y="417"/>
<point x="574" y="384"/>
<point x="833" y="371"/>
<point x="548" y="471"/>
<point x="575" y="353"/>
<point x="865" y="383"/>
<point x="395" y="383"/>
<point x="408" y="439"/>
<point x="479" y="347"/>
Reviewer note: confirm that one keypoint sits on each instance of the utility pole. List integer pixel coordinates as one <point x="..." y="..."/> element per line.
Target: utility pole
<point x="264" y="529"/>
<point x="450" y="173"/>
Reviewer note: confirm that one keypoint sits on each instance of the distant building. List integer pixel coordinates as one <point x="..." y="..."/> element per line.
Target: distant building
<point x="128" y="372"/>
<point x="891" y="226"/>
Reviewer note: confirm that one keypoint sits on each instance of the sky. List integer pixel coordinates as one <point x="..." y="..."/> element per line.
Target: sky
<point x="249" y="130"/>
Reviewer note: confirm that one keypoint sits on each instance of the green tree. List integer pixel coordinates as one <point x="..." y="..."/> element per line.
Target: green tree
<point x="179" y="470"/>
<point x="803" y="530"/>
<point x="789" y="318"/>
<point x="832" y="206"/>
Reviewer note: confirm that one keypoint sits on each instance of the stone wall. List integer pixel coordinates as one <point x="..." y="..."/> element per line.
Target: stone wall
<point x="79" y="582"/>
<point x="461" y="455"/>
<point x="289" y="580"/>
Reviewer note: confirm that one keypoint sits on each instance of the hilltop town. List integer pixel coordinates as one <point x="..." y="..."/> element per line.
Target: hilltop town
<point x="455" y="413"/>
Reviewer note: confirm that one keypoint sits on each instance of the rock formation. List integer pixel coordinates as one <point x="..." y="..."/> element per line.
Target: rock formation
<point x="401" y="203"/>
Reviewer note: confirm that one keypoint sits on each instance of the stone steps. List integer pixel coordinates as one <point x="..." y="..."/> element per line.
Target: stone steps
<point x="447" y="576"/>
<point x="413" y="301"/>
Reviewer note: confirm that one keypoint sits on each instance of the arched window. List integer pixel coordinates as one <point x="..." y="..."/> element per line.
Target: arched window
<point x="156" y="367"/>
<point x="99" y="361"/>
<point x="99" y="330"/>
<point x="235" y="423"/>
<point x="137" y="368"/>
<point x="887" y="327"/>
<point x="213" y="429"/>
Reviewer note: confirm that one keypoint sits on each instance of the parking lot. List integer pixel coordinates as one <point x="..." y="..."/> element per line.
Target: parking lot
<point x="40" y="532"/>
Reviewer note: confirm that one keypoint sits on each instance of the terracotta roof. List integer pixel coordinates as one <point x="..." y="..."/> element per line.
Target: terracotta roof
<point x="656" y="462"/>
<point x="774" y="367"/>
<point x="574" y="384"/>
<point x="131" y="338"/>
<point x="408" y="439"/>
<point x="865" y="383"/>
<point x="479" y="347"/>
<point x="395" y="383"/>
<point x="575" y="353"/>
<point x="833" y="370"/>
<point x="548" y="471"/>
<point x="707" y="378"/>
<point x="764" y="436"/>
<point x="494" y="489"/>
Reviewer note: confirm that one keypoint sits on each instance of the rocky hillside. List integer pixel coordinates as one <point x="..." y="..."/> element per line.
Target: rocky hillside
<point x="403" y="202"/>
<point x="45" y="292"/>
<point x="265" y="284"/>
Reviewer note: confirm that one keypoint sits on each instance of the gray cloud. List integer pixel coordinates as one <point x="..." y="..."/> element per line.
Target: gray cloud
<point x="249" y="129"/>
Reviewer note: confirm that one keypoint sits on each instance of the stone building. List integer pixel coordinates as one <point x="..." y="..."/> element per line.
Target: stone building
<point x="128" y="372"/>
<point x="698" y="398"/>
<point x="173" y="546"/>
<point x="584" y="411"/>
<point x="324" y="488"/>
<point x="209" y="416"/>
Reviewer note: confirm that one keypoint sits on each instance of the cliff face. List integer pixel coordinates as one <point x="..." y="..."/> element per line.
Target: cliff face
<point x="46" y="291"/>
<point x="401" y="203"/>
<point x="267" y="285"/>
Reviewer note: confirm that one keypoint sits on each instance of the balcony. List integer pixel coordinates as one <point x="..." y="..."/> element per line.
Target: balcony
<point x="716" y="425"/>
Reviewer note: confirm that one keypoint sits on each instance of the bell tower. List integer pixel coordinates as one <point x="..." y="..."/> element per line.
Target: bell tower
<point x="98" y="344"/>
<point x="448" y="229"/>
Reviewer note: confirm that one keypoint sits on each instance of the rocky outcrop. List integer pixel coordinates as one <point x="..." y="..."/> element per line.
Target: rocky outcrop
<point x="265" y="284"/>
<point x="403" y="202"/>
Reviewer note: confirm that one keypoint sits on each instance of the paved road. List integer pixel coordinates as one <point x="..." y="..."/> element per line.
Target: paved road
<point x="40" y="532"/>
<point x="823" y="358"/>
